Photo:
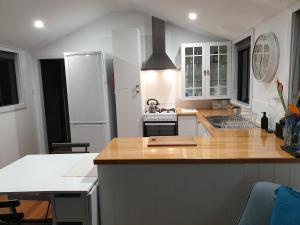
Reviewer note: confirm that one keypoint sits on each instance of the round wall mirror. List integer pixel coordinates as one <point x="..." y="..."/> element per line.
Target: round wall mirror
<point x="265" y="57"/>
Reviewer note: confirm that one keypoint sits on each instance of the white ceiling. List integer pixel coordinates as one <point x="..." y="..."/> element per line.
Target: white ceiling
<point x="224" y="18"/>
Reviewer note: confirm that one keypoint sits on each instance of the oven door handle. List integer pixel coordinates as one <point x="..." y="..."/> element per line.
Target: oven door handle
<point x="160" y="124"/>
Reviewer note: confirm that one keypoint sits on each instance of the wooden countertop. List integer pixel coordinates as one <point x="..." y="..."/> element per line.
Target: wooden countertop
<point x="224" y="146"/>
<point x="201" y="114"/>
<point x="225" y="149"/>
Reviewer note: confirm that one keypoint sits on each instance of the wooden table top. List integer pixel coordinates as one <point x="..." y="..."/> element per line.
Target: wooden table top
<point x="224" y="146"/>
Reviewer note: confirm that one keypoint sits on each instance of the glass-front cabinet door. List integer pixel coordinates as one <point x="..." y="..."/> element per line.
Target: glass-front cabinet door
<point x="205" y="70"/>
<point x="192" y="68"/>
<point x="218" y="69"/>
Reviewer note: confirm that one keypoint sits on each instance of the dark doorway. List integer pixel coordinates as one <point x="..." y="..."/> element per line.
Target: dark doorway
<point x="55" y="101"/>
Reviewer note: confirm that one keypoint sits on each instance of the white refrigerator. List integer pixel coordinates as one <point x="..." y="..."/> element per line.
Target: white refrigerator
<point x="87" y="99"/>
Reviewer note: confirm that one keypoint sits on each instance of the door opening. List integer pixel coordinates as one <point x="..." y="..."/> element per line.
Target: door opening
<point x="55" y="101"/>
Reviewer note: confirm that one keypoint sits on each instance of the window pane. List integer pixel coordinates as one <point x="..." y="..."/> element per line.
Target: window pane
<point x="8" y="79"/>
<point x="223" y="70"/>
<point x="198" y="51"/>
<point x="214" y="71"/>
<point x="213" y="50"/>
<point x="219" y="91"/>
<point x="198" y="71"/>
<point x="188" y="72"/>
<point x="213" y="91"/>
<point x="189" y="51"/>
<point x="223" y="91"/>
<point x="198" y="92"/>
<point x="188" y="92"/>
<point x="223" y="49"/>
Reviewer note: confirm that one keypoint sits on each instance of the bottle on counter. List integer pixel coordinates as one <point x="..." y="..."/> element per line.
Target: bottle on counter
<point x="264" y="122"/>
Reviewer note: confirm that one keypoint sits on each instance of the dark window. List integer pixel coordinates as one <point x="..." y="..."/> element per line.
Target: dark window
<point x="243" y="70"/>
<point x="295" y="59"/>
<point x="8" y="79"/>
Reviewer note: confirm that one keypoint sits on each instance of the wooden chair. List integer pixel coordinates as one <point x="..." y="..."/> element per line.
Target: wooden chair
<point x="67" y="148"/>
<point x="12" y="217"/>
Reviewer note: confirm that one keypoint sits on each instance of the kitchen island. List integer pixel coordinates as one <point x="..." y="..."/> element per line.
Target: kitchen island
<point x="189" y="185"/>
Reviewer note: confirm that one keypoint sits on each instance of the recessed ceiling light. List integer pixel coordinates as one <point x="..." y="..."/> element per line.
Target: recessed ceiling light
<point x="192" y="16"/>
<point x="38" y="24"/>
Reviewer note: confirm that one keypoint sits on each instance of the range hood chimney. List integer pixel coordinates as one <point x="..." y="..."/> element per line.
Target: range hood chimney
<point x="159" y="60"/>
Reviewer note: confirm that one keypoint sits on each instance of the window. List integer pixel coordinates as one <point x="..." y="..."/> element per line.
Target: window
<point x="8" y="78"/>
<point x="243" y="70"/>
<point x="295" y="58"/>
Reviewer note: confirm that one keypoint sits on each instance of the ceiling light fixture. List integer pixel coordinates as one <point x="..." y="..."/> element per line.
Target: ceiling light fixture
<point x="38" y="24"/>
<point x="192" y="16"/>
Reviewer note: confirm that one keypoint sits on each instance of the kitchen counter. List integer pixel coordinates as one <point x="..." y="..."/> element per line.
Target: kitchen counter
<point x="223" y="149"/>
<point x="213" y="177"/>
<point x="225" y="145"/>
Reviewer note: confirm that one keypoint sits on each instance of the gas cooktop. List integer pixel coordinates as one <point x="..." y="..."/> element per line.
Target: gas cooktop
<point x="161" y="115"/>
<point x="162" y="110"/>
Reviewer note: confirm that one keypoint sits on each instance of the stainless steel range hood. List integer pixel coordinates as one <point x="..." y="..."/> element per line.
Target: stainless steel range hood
<point x="159" y="60"/>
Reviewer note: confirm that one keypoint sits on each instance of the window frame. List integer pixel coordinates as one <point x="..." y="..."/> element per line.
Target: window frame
<point x="234" y="101"/>
<point x="291" y="98"/>
<point x="19" y="80"/>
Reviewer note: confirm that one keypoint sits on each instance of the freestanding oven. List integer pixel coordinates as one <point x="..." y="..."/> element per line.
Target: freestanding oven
<point x="160" y="123"/>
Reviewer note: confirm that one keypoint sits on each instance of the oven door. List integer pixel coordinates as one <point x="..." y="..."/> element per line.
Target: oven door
<point x="160" y="128"/>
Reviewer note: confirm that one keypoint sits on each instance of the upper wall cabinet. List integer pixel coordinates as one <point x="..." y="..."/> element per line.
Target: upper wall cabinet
<point x="205" y="70"/>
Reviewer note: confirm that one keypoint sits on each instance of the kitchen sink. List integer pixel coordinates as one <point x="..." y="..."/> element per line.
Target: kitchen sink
<point x="230" y="122"/>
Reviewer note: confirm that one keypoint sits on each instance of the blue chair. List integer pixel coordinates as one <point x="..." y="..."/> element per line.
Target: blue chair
<point x="258" y="209"/>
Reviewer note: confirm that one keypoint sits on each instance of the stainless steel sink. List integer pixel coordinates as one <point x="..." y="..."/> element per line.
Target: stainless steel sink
<point x="230" y="122"/>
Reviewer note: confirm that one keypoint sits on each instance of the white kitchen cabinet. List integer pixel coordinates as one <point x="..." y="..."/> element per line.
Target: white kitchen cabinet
<point x="202" y="131"/>
<point x="127" y="66"/>
<point x="205" y="70"/>
<point x="187" y="126"/>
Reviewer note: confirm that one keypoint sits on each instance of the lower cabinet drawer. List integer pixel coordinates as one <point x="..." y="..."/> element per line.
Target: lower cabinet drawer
<point x="68" y="207"/>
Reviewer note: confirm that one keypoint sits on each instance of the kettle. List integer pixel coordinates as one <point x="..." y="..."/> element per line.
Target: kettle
<point x="152" y="105"/>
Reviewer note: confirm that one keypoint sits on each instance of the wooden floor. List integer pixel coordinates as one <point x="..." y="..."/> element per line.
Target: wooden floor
<point x="31" y="209"/>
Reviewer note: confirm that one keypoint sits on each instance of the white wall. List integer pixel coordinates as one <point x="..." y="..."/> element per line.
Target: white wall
<point x="163" y="86"/>
<point x="97" y="36"/>
<point x="18" y="133"/>
<point x="265" y="97"/>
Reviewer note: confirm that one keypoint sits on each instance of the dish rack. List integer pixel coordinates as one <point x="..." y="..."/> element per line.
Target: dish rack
<point x="241" y="118"/>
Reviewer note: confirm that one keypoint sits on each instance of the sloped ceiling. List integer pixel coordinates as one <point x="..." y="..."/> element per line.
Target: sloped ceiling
<point x="224" y="18"/>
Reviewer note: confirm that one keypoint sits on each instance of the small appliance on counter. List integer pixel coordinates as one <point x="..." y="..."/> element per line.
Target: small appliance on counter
<point x="159" y="121"/>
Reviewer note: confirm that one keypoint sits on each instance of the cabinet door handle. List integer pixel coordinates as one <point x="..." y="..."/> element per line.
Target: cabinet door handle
<point x="207" y="72"/>
<point x="204" y="72"/>
<point x="137" y="89"/>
